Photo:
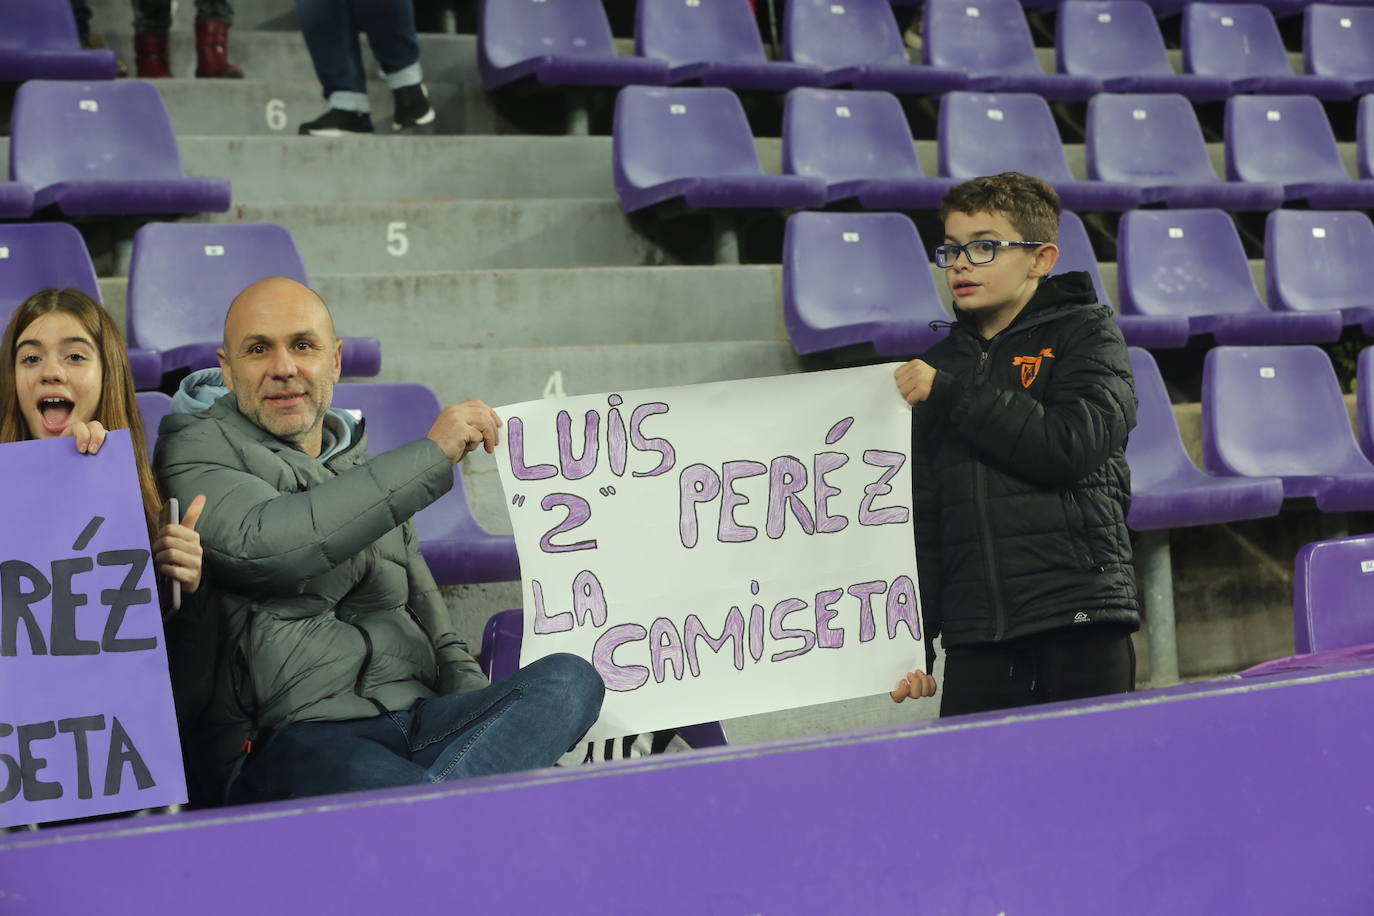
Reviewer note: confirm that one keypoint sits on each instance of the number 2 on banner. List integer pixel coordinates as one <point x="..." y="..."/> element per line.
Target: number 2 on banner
<point x="276" y="114"/>
<point x="397" y="243"/>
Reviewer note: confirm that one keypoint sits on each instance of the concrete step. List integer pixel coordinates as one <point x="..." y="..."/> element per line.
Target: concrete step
<point x="403" y="167"/>
<point x="281" y="55"/>
<point x="413" y="236"/>
<point x="251" y="107"/>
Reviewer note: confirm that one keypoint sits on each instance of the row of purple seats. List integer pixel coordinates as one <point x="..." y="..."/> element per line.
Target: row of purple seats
<point x="177" y="277"/>
<point x="695" y="144"/>
<point x="715" y="43"/>
<point x="91" y="149"/>
<point x="864" y="279"/>
<point x="38" y="40"/>
<point x="500" y="657"/>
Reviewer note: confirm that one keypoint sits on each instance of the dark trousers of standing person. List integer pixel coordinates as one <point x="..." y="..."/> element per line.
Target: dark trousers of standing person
<point x="1061" y="664"/>
<point x="331" y="29"/>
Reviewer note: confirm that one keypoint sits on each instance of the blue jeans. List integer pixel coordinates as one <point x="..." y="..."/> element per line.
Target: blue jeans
<point x="526" y="721"/>
<point x="331" y="28"/>
<point x="154" y="15"/>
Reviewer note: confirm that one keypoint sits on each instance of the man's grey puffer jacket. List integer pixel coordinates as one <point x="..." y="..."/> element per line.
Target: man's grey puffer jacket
<point x="323" y="607"/>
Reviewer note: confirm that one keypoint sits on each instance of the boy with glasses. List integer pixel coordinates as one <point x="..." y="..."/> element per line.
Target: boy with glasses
<point x="1019" y="425"/>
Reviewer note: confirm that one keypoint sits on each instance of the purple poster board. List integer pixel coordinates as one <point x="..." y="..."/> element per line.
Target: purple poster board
<point x="86" y="719"/>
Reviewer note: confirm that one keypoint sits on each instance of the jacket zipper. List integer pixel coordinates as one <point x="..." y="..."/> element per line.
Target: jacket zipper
<point x="980" y="498"/>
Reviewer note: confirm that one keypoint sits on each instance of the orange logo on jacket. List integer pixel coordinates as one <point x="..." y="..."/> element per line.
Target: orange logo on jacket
<point x="1030" y="366"/>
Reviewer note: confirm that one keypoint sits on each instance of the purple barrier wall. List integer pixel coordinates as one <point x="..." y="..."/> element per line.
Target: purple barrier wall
<point x="1235" y="797"/>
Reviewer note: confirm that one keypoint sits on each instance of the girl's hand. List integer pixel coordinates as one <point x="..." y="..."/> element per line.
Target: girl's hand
<point x="89" y="436"/>
<point x="177" y="549"/>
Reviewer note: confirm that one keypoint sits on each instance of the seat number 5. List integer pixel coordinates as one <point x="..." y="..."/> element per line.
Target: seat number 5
<point x="397" y="243"/>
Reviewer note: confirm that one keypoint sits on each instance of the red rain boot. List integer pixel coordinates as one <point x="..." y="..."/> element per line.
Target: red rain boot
<point x="150" y="55"/>
<point x="212" y="50"/>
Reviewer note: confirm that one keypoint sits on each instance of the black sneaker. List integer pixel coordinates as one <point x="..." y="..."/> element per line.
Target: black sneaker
<point x="412" y="107"/>
<point x="336" y="122"/>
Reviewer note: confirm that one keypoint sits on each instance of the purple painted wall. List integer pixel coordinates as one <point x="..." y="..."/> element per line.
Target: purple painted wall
<point x="1232" y="797"/>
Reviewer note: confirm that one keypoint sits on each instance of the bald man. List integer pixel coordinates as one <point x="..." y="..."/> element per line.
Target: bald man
<point x="335" y="665"/>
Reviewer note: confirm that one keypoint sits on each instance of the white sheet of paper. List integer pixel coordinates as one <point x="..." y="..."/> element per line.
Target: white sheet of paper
<point x="628" y="560"/>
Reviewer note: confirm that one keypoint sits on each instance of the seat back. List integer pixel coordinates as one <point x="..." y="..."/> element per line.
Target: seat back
<point x="398" y="413"/>
<point x="1155" y="449"/>
<point x="1233" y="40"/>
<point x="184" y="275"/>
<point x="987" y="133"/>
<point x="843" y="136"/>
<point x="1280" y="138"/>
<point x="38" y="25"/>
<point x="688" y="33"/>
<point x="1275" y="411"/>
<point x="512" y="31"/>
<point x="1364" y="136"/>
<point x="842" y="33"/>
<point x="1183" y="262"/>
<point x="981" y="37"/>
<point x="1076" y="252"/>
<point x="1147" y="140"/>
<point x="1318" y="260"/>
<point x="152" y="407"/>
<point x="1332" y="584"/>
<point x="1112" y="38"/>
<point x="66" y="131"/>
<point x="1364" y="401"/>
<point x="1338" y="40"/>
<point x="665" y="134"/>
<point x="844" y="275"/>
<point x="36" y="256"/>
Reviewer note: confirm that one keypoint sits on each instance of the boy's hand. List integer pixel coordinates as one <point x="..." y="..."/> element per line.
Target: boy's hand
<point x="915" y="685"/>
<point x="914" y="380"/>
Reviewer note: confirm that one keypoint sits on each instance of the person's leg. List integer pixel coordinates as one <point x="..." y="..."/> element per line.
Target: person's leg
<point x="320" y="758"/>
<point x="331" y="37"/>
<point x="524" y="722"/>
<point x="390" y="29"/>
<point x="152" y="18"/>
<point x="81" y="12"/>
<point x="984" y="677"/>
<point x="1090" y="661"/>
<point x="213" y="19"/>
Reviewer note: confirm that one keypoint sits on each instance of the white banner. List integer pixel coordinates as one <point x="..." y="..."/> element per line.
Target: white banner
<point x="719" y="550"/>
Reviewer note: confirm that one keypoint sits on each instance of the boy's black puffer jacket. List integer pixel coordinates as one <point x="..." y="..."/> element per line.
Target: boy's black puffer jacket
<point x="1020" y="476"/>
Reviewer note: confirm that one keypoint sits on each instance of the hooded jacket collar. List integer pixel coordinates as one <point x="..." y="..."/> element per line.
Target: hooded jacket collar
<point x="1055" y="295"/>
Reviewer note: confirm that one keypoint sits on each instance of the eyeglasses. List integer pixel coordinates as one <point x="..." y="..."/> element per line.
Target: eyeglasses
<point x="978" y="251"/>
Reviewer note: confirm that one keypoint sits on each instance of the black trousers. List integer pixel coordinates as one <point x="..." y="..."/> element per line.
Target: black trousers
<point x="1062" y="664"/>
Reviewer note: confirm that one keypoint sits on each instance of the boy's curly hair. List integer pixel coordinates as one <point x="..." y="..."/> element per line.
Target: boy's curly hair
<point x="1030" y="204"/>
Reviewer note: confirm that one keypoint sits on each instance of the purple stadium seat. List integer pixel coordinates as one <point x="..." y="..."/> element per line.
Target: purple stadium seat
<point x="566" y="43"/>
<point x="990" y="40"/>
<point x="1279" y="412"/>
<point x="1338" y="41"/>
<point x="860" y="144"/>
<point x="984" y="134"/>
<point x="858" y="278"/>
<point x="695" y="144"/>
<point x="1332" y="583"/>
<point x="1320" y="261"/>
<point x="1241" y="42"/>
<point x="152" y="407"/>
<point x="1191" y="262"/>
<point x="457" y="549"/>
<point x="1154" y="141"/>
<point x="1167" y="489"/>
<point x="1119" y="42"/>
<point x="104" y="149"/>
<point x="715" y="44"/>
<point x="16" y="200"/>
<point x="1364" y="136"/>
<point x="856" y="43"/>
<point x="500" y="658"/>
<point x="1287" y="139"/>
<point x="1157" y="332"/>
<point x="1364" y="401"/>
<point x="183" y="276"/>
<point x="38" y="41"/>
